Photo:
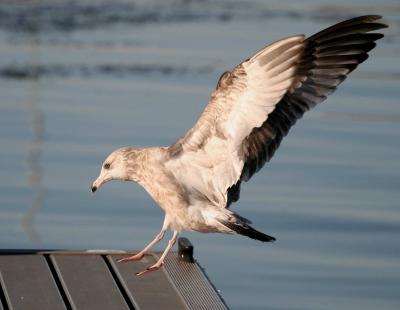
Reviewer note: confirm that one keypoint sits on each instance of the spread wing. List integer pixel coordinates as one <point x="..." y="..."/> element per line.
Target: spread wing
<point x="209" y="159"/>
<point x="328" y="58"/>
<point x="254" y="106"/>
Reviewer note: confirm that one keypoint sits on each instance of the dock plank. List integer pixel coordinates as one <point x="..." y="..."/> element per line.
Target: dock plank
<point x="193" y="284"/>
<point x="2" y="296"/>
<point x="88" y="283"/>
<point x="28" y="283"/>
<point x="152" y="291"/>
<point x="92" y="279"/>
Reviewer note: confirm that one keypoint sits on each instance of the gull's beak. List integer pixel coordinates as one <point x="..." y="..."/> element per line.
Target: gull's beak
<point x="96" y="184"/>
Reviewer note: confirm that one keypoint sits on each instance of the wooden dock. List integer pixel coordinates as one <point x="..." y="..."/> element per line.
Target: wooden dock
<point x="56" y="280"/>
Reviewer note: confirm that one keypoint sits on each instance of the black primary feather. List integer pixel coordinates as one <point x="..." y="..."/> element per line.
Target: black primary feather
<point x="246" y="230"/>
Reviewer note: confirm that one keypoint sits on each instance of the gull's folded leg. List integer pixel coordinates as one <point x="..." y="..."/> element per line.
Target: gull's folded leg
<point x="160" y="262"/>
<point x="141" y="254"/>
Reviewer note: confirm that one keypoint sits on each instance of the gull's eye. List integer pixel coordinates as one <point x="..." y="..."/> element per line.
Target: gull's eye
<point x="107" y="166"/>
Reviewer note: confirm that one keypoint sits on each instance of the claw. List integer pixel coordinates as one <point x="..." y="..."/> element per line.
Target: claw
<point x="155" y="267"/>
<point x="135" y="257"/>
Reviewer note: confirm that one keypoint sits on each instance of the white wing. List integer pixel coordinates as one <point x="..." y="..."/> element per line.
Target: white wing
<point x="208" y="159"/>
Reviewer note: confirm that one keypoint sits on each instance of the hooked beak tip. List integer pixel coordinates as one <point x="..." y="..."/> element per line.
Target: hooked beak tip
<point x="94" y="188"/>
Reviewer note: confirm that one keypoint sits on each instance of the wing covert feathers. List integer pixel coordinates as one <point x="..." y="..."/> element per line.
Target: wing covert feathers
<point x="256" y="86"/>
<point x="246" y="95"/>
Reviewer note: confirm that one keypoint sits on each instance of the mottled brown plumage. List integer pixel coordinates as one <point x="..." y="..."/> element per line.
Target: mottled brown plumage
<point x="252" y="108"/>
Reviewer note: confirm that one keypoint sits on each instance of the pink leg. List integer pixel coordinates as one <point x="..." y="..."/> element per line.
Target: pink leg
<point x="141" y="254"/>
<point x="160" y="262"/>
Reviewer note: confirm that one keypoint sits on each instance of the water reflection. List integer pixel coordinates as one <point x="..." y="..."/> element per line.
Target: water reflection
<point x="34" y="153"/>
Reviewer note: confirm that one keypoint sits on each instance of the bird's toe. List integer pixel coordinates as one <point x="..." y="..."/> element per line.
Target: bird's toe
<point x="155" y="267"/>
<point x="135" y="257"/>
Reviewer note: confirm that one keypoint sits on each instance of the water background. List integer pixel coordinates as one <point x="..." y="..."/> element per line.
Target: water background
<point x="81" y="78"/>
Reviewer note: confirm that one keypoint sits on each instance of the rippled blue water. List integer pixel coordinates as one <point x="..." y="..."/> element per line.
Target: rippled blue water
<point x="78" y="79"/>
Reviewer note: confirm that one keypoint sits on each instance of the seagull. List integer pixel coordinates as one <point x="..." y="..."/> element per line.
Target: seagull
<point x="196" y="179"/>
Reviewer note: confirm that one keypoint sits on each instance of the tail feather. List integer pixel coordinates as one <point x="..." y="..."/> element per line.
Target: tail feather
<point x="246" y="230"/>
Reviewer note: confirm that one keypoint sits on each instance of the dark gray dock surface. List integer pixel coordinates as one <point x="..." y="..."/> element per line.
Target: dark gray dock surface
<point x="82" y="280"/>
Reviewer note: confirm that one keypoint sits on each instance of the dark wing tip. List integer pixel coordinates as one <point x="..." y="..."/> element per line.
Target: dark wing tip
<point x="246" y="230"/>
<point x="252" y="233"/>
<point x="366" y="22"/>
<point x="372" y="18"/>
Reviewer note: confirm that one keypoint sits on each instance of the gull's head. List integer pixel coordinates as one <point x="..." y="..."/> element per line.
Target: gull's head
<point x="115" y="167"/>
